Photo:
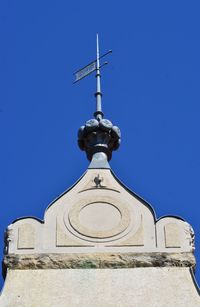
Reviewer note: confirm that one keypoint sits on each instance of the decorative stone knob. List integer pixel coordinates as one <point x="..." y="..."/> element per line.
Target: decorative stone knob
<point x="99" y="136"/>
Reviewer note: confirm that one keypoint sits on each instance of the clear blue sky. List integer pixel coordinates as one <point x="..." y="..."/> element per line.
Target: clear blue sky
<point x="151" y="91"/>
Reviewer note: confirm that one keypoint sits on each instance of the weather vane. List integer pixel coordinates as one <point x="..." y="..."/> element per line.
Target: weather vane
<point x="98" y="137"/>
<point x="90" y="68"/>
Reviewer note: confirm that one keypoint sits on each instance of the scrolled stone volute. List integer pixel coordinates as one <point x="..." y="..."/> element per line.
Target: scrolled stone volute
<point x="99" y="136"/>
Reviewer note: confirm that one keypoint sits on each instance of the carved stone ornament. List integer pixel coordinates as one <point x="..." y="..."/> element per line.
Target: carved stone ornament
<point x="99" y="136"/>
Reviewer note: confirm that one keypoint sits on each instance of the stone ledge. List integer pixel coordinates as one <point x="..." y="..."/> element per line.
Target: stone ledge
<point x="97" y="261"/>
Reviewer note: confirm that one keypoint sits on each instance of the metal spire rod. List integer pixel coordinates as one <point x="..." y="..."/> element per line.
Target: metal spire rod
<point x="98" y="114"/>
<point x="98" y="137"/>
<point x="88" y="69"/>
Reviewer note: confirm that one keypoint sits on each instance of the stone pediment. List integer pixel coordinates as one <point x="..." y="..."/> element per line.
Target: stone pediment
<point x="105" y="238"/>
<point x="99" y="215"/>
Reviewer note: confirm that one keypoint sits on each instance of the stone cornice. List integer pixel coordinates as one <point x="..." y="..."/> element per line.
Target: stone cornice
<point x="97" y="261"/>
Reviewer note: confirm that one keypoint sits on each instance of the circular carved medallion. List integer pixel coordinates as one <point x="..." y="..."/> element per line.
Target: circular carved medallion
<point x="98" y="219"/>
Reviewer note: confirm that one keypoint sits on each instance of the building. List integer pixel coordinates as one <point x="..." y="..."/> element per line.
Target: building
<point x="99" y="244"/>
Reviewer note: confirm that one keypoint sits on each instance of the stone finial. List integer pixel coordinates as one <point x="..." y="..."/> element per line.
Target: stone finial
<point x="99" y="135"/>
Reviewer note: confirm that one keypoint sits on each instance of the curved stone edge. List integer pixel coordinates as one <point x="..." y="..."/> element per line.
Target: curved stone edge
<point x="97" y="261"/>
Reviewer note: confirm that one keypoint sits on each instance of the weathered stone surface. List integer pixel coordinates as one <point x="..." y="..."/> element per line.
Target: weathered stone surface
<point x="99" y="246"/>
<point x="98" y="261"/>
<point x="131" y="287"/>
<point x="99" y="215"/>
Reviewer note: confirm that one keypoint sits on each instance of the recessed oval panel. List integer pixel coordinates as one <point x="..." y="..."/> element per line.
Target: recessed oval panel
<point x="99" y="216"/>
<point x="98" y="219"/>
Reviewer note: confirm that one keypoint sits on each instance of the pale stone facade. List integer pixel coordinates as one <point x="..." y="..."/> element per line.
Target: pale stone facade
<point x="93" y="218"/>
<point x="99" y="245"/>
